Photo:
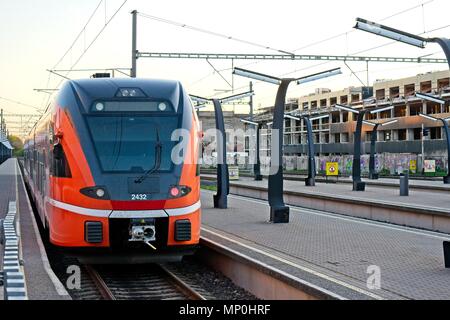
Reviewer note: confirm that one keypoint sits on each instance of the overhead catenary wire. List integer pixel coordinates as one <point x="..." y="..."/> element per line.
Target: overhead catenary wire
<point x="107" y="22"/>
<point x="46" y="100"/>
<point x="83" y="29"/>
<point x="212" y="33"/>
<point x="362" y="51"/>
<point x="94" y="40"/>
<point x="421" y="5"/>
<point x="20" y="103"/>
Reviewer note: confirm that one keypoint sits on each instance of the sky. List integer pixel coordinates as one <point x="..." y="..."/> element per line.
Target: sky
<point x="34" y="35"/>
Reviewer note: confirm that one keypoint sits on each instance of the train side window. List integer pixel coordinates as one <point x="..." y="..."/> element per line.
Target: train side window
<point x="59" y="165"/>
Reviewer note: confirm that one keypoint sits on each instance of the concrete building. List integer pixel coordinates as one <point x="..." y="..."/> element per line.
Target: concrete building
<point x="334" y="135"/>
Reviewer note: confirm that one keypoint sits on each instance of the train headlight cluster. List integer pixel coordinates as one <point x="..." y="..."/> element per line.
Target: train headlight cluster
<point x="179" y="191"/>
<point x="99" y="193"/>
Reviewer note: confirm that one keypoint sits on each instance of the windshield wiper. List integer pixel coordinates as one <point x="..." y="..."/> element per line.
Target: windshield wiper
<point x="157" y="165"/>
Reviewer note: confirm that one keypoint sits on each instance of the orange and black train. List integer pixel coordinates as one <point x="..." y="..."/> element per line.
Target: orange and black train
<point x="99" y="165"/>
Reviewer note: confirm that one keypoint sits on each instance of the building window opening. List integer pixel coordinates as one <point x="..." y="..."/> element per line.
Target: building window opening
<point x="402" y="135"/>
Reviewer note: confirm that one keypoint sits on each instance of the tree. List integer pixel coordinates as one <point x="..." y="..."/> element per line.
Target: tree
<point x="17" y="144"/>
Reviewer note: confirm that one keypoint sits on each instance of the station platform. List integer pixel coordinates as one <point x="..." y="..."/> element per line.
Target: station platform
<point x="425" y="209"/>
<point x="334" y="252"/>
<point x="40" y="281"/>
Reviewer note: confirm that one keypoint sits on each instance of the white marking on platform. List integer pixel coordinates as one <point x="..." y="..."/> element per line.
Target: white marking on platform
<point x="16" y="281"/>
<point x="16" y="290"/>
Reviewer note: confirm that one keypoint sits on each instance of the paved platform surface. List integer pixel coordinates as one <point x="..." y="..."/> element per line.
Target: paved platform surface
<point x="41" y="283"/>
<point x="418" y="198"/>
<point x="334" y="252"/>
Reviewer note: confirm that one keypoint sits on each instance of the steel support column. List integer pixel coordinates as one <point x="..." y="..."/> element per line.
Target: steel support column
<point x="257" y="166"/>
<point x="358" y="185"/>
<point x="373" y="144"/>
<point x="447" y="136"/>
<point x="445" y="45"/>
<point x="279" y="212"/>
<point x="223" y="186"/>
<point x="134" y="51"/>
<point x="311" y="180"/>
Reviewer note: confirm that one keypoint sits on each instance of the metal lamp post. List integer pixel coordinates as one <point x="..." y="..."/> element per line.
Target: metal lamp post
<point x="373" y="139"/>
<point x="447" y="134"/>
<point x="223" y="179"/>
<point x="310" y="181"/>
<point x="257" y="164"/>
<point x="358" y="184"/>
<point x="279" y="212"/>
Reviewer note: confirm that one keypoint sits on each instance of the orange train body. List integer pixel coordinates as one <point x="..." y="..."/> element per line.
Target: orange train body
<point x="105" y="173"/>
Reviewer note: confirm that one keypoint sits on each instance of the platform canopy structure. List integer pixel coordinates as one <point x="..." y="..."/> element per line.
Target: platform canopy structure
<point x="223" y="180"/>
<point x="402" y="36"/>
<point x="279" y="212"/>
<point x="358" y="184"/>
<point x="5" y="148"/>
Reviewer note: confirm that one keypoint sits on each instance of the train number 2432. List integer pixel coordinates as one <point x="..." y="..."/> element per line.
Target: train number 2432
<point x="138" y="197"/>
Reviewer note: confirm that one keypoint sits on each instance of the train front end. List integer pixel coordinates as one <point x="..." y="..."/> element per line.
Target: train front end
<point x="125" y="185"/>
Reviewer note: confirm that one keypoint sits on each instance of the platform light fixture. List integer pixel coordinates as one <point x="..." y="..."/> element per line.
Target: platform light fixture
<point x="382" y="109"/>
<point x="279" y="212"/>
<point x="256" y="76"/>
<point x="346" y="108"/>
<point x="200" y="106"/>
<point x="288" y="116"/>
<point x="402" y="36"/>
<point x="319" y="117"/>
<point x="389" y="122"/>
<point x="320" y="75"/>
<point x="249" y="122"/>
<point x="428" y="97"/>
<point x="391" y="33"/>
<point x="369" y="123"/>
<point x="237" y="97"/>
<point x="425" y="116"/>
<point x="200" y="100"/>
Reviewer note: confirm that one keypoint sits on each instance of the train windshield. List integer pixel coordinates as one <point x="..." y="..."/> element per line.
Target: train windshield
<point x="129" y="143"/>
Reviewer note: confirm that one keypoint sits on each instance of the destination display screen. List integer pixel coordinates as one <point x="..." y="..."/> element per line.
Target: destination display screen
<point x="132" y="106"/>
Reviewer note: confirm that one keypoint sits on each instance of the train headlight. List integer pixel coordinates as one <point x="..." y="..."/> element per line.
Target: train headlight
<point x="162" y="106"/>
<point x="100" y="193"/>
<point x="99" y="106"/>
<point x="125" y="93"/>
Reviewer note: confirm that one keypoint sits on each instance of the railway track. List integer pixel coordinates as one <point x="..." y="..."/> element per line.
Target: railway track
<point x="155" y="282"/>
